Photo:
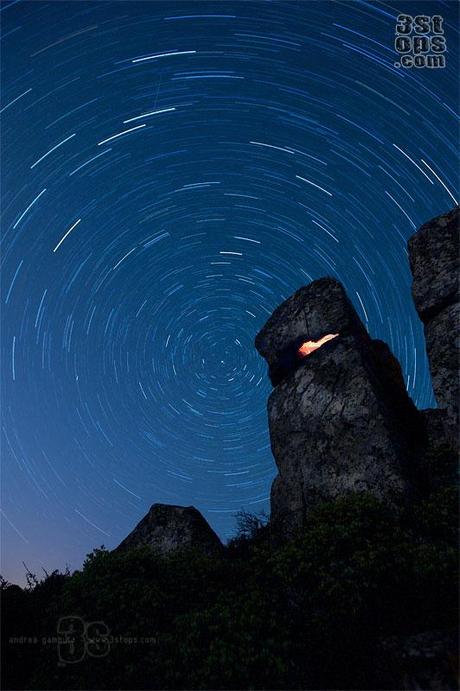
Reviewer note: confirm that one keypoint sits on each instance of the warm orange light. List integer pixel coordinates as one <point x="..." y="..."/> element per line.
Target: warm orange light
<point x="309" y="346"/>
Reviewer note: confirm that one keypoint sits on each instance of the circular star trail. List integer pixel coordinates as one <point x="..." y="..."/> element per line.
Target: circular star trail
<point x="170" y="173"/>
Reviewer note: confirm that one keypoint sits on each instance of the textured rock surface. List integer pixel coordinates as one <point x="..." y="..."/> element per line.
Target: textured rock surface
<point x="434" y="261"/>
<point x="439" y="455"/>
<point x="168" y="528"/>
<point x="340" y="419"/>
<point x="298" y="319"/>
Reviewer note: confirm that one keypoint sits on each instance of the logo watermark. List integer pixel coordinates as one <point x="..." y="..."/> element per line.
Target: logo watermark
<point x="77" y="639"/>
<point x="420" y="41"/>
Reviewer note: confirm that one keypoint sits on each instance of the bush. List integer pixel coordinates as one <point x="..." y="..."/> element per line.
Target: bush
<point x="310" y="613"/>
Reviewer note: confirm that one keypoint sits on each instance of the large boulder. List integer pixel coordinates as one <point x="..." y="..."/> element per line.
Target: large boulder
<point x="434" y="260"/>
<point x="340" y="418"/>
<point x="166" y="528"/>
<point x="295" y="321"/>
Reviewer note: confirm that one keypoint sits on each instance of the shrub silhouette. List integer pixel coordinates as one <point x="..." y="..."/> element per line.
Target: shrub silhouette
<point x="310" y="613"/>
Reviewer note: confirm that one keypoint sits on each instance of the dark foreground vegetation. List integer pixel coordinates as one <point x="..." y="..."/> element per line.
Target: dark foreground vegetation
<point x="316" y="613"/>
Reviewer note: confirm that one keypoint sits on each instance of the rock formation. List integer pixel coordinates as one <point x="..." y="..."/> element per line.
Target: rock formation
<point x="168" y="528"/>
<point x="434" y="260"/>
<point x="340" y="418"/>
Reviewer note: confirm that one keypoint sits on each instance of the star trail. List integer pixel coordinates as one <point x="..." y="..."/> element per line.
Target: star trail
<point x="172" y="171"/>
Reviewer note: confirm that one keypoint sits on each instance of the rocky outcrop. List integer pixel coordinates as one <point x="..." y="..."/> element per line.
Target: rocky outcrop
<point x="340" y="418"/>
<point x="434" y="261"/>
<point x="438" y="461"/>
<point x="168" y="528"/>
<point x="295" y="322"/>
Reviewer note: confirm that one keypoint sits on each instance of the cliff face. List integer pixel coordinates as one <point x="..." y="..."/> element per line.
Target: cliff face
<point x="168" y="528"/>
<point x="434" y="260"/>
<point x="340" y="418"/>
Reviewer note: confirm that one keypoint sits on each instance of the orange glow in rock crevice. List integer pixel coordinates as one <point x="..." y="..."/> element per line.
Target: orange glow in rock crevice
<point x="309" y="346"/>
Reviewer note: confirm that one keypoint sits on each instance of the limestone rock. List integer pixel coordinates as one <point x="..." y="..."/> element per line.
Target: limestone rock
<point x="340" y="418"/>
<point x="434" y="260"/>
<point x="168" y="528"/>
<point x="298" y="319"/>
<point x="439" y="456"/>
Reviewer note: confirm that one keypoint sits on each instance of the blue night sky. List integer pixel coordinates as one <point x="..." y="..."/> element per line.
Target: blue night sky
<point x="171" y="171"/>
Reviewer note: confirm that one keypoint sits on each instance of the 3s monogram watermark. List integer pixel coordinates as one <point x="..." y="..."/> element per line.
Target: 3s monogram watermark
<point x="79" y="638"/>
<point x="420" y="41"/>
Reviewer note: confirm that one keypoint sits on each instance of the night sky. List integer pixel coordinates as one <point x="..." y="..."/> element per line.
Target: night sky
<point x="172" y="171"/>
